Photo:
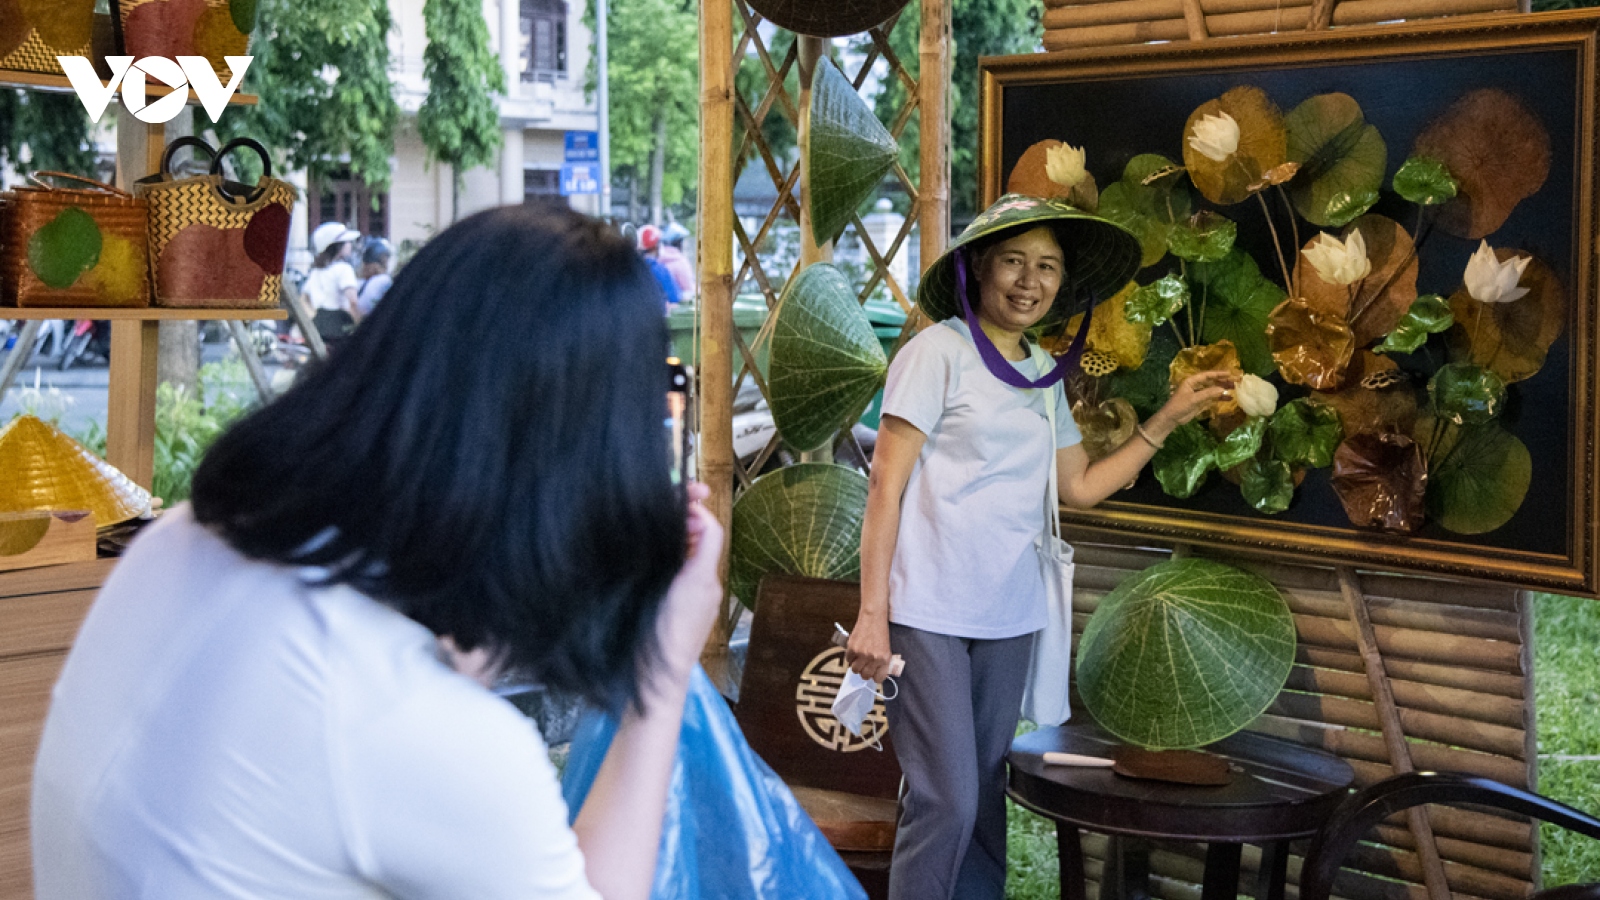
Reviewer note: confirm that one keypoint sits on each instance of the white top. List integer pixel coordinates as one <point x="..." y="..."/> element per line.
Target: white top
<point x="964" y="561"/>
<point x="223" y="731"/>
<point x="324" y="287"/>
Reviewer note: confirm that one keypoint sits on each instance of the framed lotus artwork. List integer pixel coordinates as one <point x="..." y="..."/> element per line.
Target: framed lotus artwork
<point x="1389" y="236"/>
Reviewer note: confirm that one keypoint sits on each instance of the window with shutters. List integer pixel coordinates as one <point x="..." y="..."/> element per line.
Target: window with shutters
<point x="544" y="39"/>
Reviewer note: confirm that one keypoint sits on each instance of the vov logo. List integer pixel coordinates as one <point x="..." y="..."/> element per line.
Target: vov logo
<point x="187" y="72"/>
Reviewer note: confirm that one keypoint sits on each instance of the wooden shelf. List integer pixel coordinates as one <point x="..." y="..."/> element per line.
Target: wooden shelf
<point x="36" y="81"/>
<point x="143" y="313"/>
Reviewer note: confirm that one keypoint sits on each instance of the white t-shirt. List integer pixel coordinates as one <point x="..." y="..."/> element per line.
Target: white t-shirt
<point x="221" y="730"/>
<point x="964" y="560"/>
<point x="325" y="287"/>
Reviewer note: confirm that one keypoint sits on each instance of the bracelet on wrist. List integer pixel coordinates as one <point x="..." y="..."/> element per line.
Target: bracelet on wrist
<point x="1145" y="436"/>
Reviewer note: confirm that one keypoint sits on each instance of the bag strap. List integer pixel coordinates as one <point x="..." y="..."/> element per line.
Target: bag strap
<point x="1052" y="502"/>
<point x="991" y="356"/>
<point x="39" y="178"/>
<point x="180" y="143"/>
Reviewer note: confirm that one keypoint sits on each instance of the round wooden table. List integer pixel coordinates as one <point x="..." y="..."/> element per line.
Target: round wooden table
<point x="1279" y="792"/>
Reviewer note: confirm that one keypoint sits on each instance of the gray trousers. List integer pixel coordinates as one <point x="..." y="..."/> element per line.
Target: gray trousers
<point x="952" y="723"/>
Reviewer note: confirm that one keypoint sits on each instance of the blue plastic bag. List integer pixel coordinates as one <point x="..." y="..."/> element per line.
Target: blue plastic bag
<point x="732" y="830"/>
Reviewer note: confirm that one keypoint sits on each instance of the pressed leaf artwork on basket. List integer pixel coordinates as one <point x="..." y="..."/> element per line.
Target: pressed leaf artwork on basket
<point x="214" y="29"/>
<point x="73" y="247"/>
<point x="34" y="32"/>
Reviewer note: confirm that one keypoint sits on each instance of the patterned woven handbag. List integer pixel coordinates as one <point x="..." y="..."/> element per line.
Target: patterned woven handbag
<point x="213" y="242"/>
<point x="34" y="32"/>
<point x="73" y="246"/>
<point x="214" y="29"/>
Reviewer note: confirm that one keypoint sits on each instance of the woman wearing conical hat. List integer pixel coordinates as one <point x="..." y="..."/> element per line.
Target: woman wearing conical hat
<point x="950" y="576"/>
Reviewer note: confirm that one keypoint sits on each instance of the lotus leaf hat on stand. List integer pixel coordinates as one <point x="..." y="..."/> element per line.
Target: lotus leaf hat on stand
<point x="847" y="152"/>
<point x="42" y="468"/>
<point x="827" y="18"/>
<point x="1101" y="256"/>
<point x="826" y="361"/>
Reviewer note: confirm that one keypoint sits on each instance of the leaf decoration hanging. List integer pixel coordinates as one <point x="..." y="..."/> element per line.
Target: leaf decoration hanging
<point x="1031" y="176"/>
<point x="1465" y="394"/>
<point x="1105" y="426"/>
<point x="1305" y="433"/>
<point x="1262" y="145"/>
<point x="1372" y="399"/>
<point x="1384" y="296"/>
<point x="1146" y="203"/>
<point x="1310" y="347"/>
<point x="1513" y="338"/>
<point x="1237" y="301"/>
<point x="1425" y="181"/>
<point x="1342" y="159"/>
<point x="1380" y="479"/>
<point x="1111" y="332"/>
<point x="1203" y="237"/>
<point x="1429" y="314"/>
<point x="847" y="152"/>
<point x="1479" y="476"/>
<point x="1218" y="357"/>
<point x="1498" y="151"/>
<point x="1242" y="443"/>
<point x="1156" y="302"/>
<point x="799" y="520"/>
<point x="1267" y="485"/>
<point x="1185" y="653"/>
<point x="1146" y="387"/>
<point x="826" y="362"/>
<point x="1186" y="457"/>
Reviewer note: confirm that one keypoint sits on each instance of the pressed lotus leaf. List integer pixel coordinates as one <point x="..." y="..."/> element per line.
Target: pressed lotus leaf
<point x="1384" y="296"/>
<point x="1185" y="653"/>
<point x="1513" y="338"/>
<point x="163" y="28"/>
<point x="826" y="362"/>
<point x="119" y="275"/>
<point x="1342" y="159"/>
<point x="1031" y="176"/>
<point x="1242" y="443"/>
<point x="1203" y="237"/>
<point x="1365" y="406"/>
<point x="1262" y="145"/>
<point x="64" y="248"/>
<point x="1237" y="301"/>
<point x="1429" y="314"/>
<point x="1218" y="357"/>
<point x="1147" y="203"/>
<point x="799" y="520"/>
<point x="1380" y="478"/>
<point x="1186" y="457"/>
<point x="20" y="534"/>
<point x="1105" y="426"/>
<point x="63" y="25"/>
<point x="1309" y="347"/>
<point x="848" y="151"/>
<point x="1267" y="485"/>
<point x="1112" y="333"/>
<point x="1499" y="152"/>
<point x="1425" y="181"/>
<point x="1305" y="433"/>
<point x="217" y="38"/>
<point x="1158" y="301"/>
<point x="244" y="14"/>
<point x="1465" y="394"/>
<point x="1146" y="386"/>
<point x="1478" y="476"/>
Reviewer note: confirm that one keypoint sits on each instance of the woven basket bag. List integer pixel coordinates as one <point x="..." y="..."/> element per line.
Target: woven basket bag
<point x="214" y="29"/>
<point x="73" y="247"/>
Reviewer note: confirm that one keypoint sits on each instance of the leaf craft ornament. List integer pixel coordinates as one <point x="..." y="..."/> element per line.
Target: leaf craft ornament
<point x="847" y="152"/>
<point x="1147" y="202"/>
<point x="1305" y="434"/>
<point x="1267" y="485"/>
<point x="1053" y="170"/>
<point x="1185" y="653"/>
<point x="1218" y="357"/>
<point x="1465" y="394"/>
<point x="1479" y="475"/>
<point x="1237" y="301"/>
<point x="1381" y="479"/>
<point x="1510" y="338"/>
<point x="799" y="520"/>
<point x="1105" y="426"/>
<point x="1186" y="457"/>
<point x="1497" y="150"/>
<point x="826" y="362"/>
<point x="1425" y="181"/>
<point x="1230" y="143"/>
<point x="1428" y="314"/>
<point x="1376" y="397"/>
<point x="1342" y="159"/>
<point x="1309" y="346"/>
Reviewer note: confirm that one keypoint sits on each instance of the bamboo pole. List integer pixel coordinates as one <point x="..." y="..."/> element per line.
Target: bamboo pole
<point x="1194" y="19"/>
<point x="933" y="129"/>
<point x="715" y="246"/>
<point x="1366" y="750"/>
<point x="1472" y="705"/>
<point x="1269" y="20"/>
<point x="1446" y="729"/>
<point x="1118" y="11"/>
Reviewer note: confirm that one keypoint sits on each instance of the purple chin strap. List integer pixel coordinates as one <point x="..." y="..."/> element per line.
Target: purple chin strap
<point x="992" y="359"/>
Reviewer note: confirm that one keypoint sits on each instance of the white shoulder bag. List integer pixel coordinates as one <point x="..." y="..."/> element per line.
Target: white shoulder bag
<point x="1050" y="671"/>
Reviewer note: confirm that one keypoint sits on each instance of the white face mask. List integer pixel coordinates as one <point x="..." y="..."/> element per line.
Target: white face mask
<point x="855" y="699"/>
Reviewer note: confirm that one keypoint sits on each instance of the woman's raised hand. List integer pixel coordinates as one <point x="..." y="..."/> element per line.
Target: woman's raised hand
<point x="1194" y="394"/>
<point x="695" y="598"/>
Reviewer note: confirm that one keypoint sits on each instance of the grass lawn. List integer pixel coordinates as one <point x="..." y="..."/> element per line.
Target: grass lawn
<point x="1567" y="697"/>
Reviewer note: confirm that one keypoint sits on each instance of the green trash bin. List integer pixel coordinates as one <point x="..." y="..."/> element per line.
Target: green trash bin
<point x="887" y="320"/>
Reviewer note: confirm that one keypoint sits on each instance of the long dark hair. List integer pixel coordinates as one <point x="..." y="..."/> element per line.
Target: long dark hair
<point x="485" y="454"/>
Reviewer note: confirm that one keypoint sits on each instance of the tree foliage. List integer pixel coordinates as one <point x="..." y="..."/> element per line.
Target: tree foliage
<point x="54" y="127"/>
<point x="459" y="122"/>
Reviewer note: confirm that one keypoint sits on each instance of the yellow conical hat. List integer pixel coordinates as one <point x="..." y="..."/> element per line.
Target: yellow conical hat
<point x="42" y="468"/>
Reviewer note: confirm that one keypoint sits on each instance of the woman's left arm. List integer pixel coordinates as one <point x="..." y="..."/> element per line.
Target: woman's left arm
<point x="1083" y="484"/>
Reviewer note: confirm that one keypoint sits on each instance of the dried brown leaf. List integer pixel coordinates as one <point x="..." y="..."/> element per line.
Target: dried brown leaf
<point x="1498" y="150"/>
<point x="1381" y="479"/>
<point x="1263" y="145"/>
<point x="1365" y="409"/>
<point x="1387" y="292"/>
<point x="1513" y="338"/>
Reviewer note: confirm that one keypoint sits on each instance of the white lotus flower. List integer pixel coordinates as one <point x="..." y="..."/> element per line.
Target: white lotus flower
<point x="1492" y="281"/>
<point x="1215" y="137"/>
<point x="1339" y="262"/>
<point x="1256" y="396"/>
<point x="1064" y="165"/>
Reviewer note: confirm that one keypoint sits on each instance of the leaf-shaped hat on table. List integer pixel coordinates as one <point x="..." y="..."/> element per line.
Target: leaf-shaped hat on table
<point x="1342" y="159"/>
<point x="1498" y="151"/>
<point x="827" y="18"/>
<point x="846" y="154"/>
<point x="826" y="361"/>
<point x="1480" y="475"/>
<point x="1515" y="336"/>
<point x="42" y="468"/>
<point x="1185" y="653"/>
<point x="799" y="520"/>
<point x="1261" y="145"/>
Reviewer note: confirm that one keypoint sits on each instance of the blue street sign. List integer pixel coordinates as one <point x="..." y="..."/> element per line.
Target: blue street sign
<point x="583" y="146"/>
<point x="579" y="178"/>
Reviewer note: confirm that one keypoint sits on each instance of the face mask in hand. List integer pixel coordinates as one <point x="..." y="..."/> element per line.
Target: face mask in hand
<point x="855" y="699"/>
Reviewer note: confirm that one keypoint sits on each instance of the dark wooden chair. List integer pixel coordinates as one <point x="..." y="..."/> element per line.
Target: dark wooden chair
<point x="1367" y="807"/>
<point x="791" y="674"/>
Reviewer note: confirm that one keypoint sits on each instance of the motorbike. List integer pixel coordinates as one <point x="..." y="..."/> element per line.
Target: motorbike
<point x="88" y="338"/>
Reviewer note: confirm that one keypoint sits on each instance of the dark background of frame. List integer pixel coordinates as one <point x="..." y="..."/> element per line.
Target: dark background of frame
<point x="1119" y="117"/>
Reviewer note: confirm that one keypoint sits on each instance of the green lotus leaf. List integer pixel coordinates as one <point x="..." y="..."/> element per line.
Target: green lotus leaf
<point x="1466" y="394"/>
<point x="1478" y="475"/>
<point x="1185" y="653"/>
<point x="1158" y="301"/>
<point x="1204" y="237"/>
<point x="1147" y="210"/>
<point x="826" y="362"/>
<point x="244" y="14"/>
<point x="1341" y="157"/>
<point x="1147" y="387"/>
<point x="800" y="520"/>
<point x="1238" y="300"/>
<point x="1267" y="485"/>
<point x="64" y="248"/>
<point x="1425" y="181"/>
<point x="1429" y="314"/>
<point x="1241" y="443"/>
<point x="1305" y="433"/>
<point x="848" y="151"/>
<point x="1187" y="456"/>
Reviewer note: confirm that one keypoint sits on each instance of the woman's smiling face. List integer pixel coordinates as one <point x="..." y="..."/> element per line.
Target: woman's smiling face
<point x="1019" y="278"/>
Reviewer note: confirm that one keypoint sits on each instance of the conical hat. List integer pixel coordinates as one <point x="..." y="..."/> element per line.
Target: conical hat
<point x="826" y="361"/>
<point x="847" y="152"/>
<point x="42" y="468"/>
<point x="827" y="18"/>
<point x="1101" y="256"/>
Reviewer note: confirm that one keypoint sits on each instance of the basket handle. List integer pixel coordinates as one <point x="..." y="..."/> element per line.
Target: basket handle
<point x="251" y="144"/>
<point x="39" y="178"/>
<point x="180" y="143"/>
